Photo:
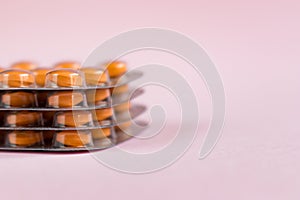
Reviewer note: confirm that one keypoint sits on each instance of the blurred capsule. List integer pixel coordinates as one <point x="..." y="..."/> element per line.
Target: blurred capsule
<point x="73" y="139"/>
<point x="24" y="65"/>
<point x="40" y="76"/>
<point x="68" y="65"/>
<point x="97" y="97"/>
<point x="101" y="133"/>
<point x="95" y="76"/>
<point x="116" y="69"/>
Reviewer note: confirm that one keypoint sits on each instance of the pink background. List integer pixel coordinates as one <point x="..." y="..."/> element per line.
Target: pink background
<point x="255" y="45"/>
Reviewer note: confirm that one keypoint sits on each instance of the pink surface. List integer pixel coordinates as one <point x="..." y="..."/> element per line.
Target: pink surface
<point x="255" y="45"/>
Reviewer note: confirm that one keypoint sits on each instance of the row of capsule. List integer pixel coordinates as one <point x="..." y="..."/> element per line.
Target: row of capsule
<point x="98" y="117"/>
<point x="59" y="99"/>
<point x="61" y="138"/>
<point x="57" y="139"/>
<point x="25" y="75"/>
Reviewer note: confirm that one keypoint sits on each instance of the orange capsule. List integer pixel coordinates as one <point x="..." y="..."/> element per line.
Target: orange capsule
<point x="94" y="76"/>
<point x="40" y="76"/>
<point x="23" y="118"/>
<point x="73" y="138"/>
<point x="101" y="133"/>
<point x="15" y="78"/>
<point x="24" y="138"/>
<point x="95" y="96"/>
<point x="18" y="99"/>
<point x="64" y="78"/>
<point x="103" y="114"/>
<point x="65" y="99"/>
<point x="74" y="119"/>
<point x="68" y="65"/>
<point x="116" y="69"/>
<point x="24" y="65"/>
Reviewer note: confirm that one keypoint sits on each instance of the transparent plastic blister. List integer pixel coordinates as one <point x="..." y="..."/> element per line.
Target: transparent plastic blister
<point x="17" y="78"/>
<point x="65" y="108"/>
<point x="24" y="139"/>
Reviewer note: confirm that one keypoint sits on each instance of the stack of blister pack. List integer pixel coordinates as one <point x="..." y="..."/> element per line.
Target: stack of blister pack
<point x="67" y="107"/>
